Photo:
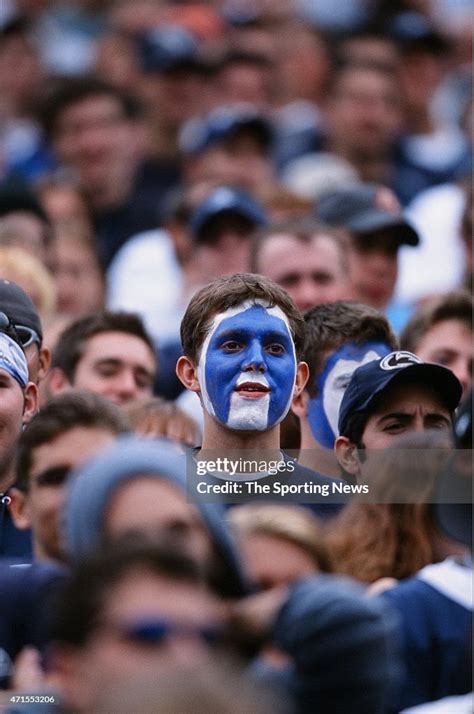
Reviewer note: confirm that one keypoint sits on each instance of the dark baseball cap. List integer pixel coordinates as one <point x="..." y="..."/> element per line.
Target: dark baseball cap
<point x="413" y="31"/>
<point x="16" y="196"/>
<point x="356" y="209"/>
<point x="224" y="122"/>
<point x="19" y="307"/>
<point x="370" y="380"/>
<point x="227" y="200"/>
<point x="166" y="48"/>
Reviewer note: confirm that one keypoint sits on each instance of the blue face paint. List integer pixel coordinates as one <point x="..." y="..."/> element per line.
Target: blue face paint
<point x="323" y="409"/>
<point x="247" y="367"/>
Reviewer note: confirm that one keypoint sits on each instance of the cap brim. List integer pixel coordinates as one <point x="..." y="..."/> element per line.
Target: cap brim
<point x="259" y="126"/>
<point x="198" y="226"/>
<point x="438" y="378"/>
<point x="375" y="220"/>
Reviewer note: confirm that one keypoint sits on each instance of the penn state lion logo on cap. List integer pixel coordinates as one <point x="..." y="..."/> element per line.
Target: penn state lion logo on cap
<point x="398" y="360"/>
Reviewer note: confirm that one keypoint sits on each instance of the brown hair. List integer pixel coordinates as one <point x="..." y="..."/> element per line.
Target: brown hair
<point x="60" y="415"/>
<point x="330" y="325"/>
<point x="72" y="342"/>
<point x="303" y="230"/>
<point x="158" y="417"/>
<point x="368" y="541"/>
<point x="231" y="291"/>
<point x="452" y="306"/>
<point x="82" y="598"/>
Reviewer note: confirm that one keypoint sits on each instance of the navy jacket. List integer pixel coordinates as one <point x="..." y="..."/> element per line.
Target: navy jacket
<point x="435" y="613"/>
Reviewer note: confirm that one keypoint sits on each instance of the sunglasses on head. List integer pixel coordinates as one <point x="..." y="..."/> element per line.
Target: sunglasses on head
<point x="156" y="631"/>
<point x="25" y="336"/>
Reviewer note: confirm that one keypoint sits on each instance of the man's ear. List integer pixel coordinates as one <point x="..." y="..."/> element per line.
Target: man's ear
<point x="44" y="362"/>
<point x="31" y="404"/>
<point x="347" y="455"/>
<point x="58" y="382"/>
<point x="65" y="664"/>
<point x="302" y="375"/>
<point x="19" y="508"/>
<point x="186" y="372"/>
<point x="300" y="404"/>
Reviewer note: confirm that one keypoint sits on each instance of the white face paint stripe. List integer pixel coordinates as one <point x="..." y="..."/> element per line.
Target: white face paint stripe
<point x="255" y="378"/>
<point x="275" y="311"/>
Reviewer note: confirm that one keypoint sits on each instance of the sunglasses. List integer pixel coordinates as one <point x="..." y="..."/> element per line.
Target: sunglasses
<point x="155" y="632"/>
<point x="25" y="336"/>
<point x="54" y="476"/>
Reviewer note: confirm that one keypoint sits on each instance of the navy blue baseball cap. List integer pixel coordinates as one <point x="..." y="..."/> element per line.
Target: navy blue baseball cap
<point x="226" y="200"/>
<point x="166" y="48"/>
<point x="222" y="123"/>
<point x="370" y="380"/>
<point x="357" y="209"/>
<point x="411" y="30"/>
<point x="19" y="307"/>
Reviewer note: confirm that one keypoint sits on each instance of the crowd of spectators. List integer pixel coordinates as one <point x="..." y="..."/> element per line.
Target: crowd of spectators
<point x="236" y="356"/>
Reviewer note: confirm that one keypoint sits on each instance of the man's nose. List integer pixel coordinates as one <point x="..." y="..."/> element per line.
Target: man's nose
<point x="306" y="296"/>
<point x="462" y="370"/>
<point x="383" y="262"/>
<point x="255" y="357"/>
<point x="126" y="387"/>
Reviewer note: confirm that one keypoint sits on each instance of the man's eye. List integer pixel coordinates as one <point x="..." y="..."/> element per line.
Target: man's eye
<point x="107" y="371"/>
<point x="276" y="349"/>
<point x="144" y="381"/>
<point x="394" y="426"/>
<point x="231" y="346"/>
<point x="443" y="358"/>
<point x="440" y="423"/>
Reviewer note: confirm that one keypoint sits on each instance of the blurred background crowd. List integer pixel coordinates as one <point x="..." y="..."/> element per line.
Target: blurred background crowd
<point x="147" y="148"/>
<point x="117" y="119"/>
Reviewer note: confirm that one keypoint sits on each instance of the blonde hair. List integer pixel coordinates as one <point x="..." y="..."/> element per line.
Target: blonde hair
<point x="159" y="417"/>
<point x="19" y="266"/>
<point x="294" y="524"/>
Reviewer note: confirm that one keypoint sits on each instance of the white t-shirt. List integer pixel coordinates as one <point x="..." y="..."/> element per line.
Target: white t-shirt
<point x="145" y="277"/>
<point x="436" y="265"/>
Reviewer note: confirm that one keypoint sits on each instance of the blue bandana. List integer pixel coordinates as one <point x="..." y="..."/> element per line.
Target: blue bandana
<point x="13" y="360"/>
<point x="323" y="410"/>
<point x="247" y="367"/>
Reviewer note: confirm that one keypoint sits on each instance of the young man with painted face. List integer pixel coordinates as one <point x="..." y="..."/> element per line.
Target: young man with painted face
<point x="242" y="336"/>
<point x="340" y="336"/>
<point x="18" y="403"/>
<point x="386" y="398"/>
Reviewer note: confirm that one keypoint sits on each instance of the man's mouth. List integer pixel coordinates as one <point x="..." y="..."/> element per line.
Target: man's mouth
<point x="252" y="390"/>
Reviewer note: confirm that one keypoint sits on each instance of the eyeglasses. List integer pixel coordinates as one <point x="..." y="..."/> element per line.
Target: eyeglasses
<point x="156" y="631"/>
<point x="25" y="336"/>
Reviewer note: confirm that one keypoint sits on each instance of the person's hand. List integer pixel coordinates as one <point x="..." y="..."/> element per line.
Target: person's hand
<point x="380" y="585"/>
<point x="252" y="617"/>
<point x="28" y="674"/>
